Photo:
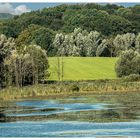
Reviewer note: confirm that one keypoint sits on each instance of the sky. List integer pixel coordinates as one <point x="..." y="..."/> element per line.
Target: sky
<point x="19" y="8"/>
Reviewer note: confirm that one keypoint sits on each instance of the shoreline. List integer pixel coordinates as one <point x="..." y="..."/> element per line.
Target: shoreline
<point x="66" y="89"/>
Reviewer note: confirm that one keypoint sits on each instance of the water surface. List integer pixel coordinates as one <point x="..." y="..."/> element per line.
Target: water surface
<point x="97" y="115"/>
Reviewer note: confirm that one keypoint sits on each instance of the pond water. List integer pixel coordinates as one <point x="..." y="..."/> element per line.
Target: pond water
<point x="97" y="115"/>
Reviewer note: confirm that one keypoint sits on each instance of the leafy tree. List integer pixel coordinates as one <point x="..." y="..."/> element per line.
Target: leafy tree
<point x="25" y="36"/>
<point x="128" y="63"/>
<point x="124" y="42"/>
<point x="78" y="43"/>
<point x="137" y="43"/>
<point x="103" y="49"/>
<point x="93" y="40"/>
<point x="40" y="35"/>
<point x="58" y="44"/>
<point x="28" y="66"/>
<point x="124" y="12"/>
<point x="119" y="25"/>
<point x="6" y="45"/>
<point x="44" y="38"/>
<point x="87" y="19"/>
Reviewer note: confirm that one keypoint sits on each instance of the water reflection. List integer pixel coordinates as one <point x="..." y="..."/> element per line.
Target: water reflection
<point x="70" y="129"/>
<point x="2" y="117"/>
<point x="78" y="114"/>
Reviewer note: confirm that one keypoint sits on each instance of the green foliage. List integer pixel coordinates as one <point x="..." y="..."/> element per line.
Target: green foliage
<point x="109" y="19"/>
<point x="137" y="43"/>
<point x="128" y="63"/>
<point x="69" y="30"/>
<point x="44" y="37"/>
<point x="26" y="66"/>
<point x="124" y="12"/>
<point x="40" y="35"/>
<point x="24" y="37"/>
<point x="77" y="43"/>
<point x="103" y="49"/>
<point x="119" y="25"/>
<point x="132" y="78"/>
<point x="75" y="87"/>
<point x="6" y="45"/>
<point x="125" y="42"/>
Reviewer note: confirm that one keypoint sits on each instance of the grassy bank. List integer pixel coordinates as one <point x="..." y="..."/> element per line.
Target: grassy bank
<point x="84" y="68"/>
<point x="59" y="90"/>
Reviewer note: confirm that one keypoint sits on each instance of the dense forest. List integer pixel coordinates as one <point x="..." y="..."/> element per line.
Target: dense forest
<point x="41" y="26"/>
<point x="67" y="30"/>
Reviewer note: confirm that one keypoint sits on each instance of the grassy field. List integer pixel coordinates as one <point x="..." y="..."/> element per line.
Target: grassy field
<point x="84" y="68"/>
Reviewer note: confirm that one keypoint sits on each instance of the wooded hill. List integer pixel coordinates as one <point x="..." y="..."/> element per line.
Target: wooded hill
<point x="107" y="19"/>
<point x="41" y="26"/>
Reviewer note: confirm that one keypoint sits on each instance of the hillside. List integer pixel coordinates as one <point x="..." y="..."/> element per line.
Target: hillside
<point x="84" y="68"/>
<point x="109" y="19"/>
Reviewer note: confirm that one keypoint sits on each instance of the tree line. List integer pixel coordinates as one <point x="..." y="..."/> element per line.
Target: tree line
<point x="21" y="65"/>
<point x="42" y="25"/>
<point x="83" y="43"/>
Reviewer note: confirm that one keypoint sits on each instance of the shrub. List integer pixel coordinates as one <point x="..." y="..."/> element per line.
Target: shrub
<point x="75" y="87"/>
<point x="132" y="77"/>
<point x="128" y="64"/>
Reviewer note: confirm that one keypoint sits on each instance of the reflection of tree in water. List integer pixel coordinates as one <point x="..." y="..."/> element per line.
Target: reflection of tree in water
<point x="2" y="117"/>
<point x="110" y="113"/>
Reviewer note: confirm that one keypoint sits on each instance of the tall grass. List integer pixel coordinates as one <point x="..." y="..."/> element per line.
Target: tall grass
<point x="67" y="88"/>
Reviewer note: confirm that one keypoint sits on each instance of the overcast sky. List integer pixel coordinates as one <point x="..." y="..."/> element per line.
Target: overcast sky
<point x="19" y="8"/>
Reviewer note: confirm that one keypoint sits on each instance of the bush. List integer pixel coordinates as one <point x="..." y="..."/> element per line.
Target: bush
<point x="75" y="87"/>
<point x="132" y="77"/>
<point x="128" y="64"/>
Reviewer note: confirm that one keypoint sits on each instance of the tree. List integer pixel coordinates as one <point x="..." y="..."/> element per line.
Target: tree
<point x="103" y="49"/>
<point x="44" y="38"/>
<point x="124" y="42"/>
<point x="78" y="43"/>
<point x="124" y="12"/>
<point x="40" y="35"/>
<point x="59" y="45"/>
<point x="137" y="43"/>
<point x="6" y="46"/>
<point x="25" y="37"/>
<point x="128" y="63"/>
<point x="28" y="66"/>
<point x="88" y="19"/>
<point x="93" y="40"/>
<point x="119" y="25"/>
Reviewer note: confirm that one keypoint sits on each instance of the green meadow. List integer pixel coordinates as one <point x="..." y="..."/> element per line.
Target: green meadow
<point x="83" y="68"/>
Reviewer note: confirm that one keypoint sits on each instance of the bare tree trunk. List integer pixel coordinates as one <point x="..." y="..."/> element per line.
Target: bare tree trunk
<point x="20" y="73"/>
<point x="62" y="66"/>
<point x="9" y="76"/>
<point x="58" y="68"/>
<point x="23" y="72"/>
<point x="16" y="75"/>
<point x="33" y="68"/>
<point x="36" y="74"/>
